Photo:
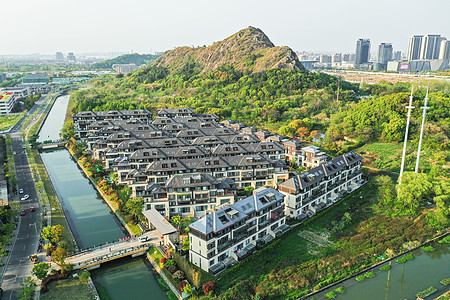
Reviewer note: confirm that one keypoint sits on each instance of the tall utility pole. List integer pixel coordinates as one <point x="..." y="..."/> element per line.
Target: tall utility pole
<point x="424" y="107"/>
<point x="339" y="83"/>
<point x="409" y="107"/>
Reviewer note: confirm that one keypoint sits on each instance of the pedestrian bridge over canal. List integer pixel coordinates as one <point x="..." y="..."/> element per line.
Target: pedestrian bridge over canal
<point x="92" y="258"/>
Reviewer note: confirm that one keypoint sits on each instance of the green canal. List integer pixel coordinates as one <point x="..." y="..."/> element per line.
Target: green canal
<point x="403" y="281"/>
<point x="93" y="223"/>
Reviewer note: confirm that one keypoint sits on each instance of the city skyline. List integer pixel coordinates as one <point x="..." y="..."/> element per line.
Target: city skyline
<point x="322" y="26"/>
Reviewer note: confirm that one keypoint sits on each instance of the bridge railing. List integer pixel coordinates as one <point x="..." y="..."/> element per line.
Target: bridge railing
<point x="109" y="256"/>
<point x="105" y="245"/>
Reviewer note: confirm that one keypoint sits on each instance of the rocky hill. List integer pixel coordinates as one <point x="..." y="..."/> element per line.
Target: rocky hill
<point x="249" y="49"/>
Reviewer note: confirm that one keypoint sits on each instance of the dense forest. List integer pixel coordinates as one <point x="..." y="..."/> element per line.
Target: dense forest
<point x="135" y="58"/>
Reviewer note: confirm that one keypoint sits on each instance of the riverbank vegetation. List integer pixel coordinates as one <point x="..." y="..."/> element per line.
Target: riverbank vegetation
<point x="119" y="195"/>
<point x="70" y="289"/>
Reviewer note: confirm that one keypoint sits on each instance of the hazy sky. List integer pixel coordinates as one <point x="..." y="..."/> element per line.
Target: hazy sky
<point x="47" y="26"/>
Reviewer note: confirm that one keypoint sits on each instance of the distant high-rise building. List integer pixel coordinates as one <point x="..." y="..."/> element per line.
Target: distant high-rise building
<point x="384" y="54"/>
<point x="59" y="56"/>
<point x="415" y="47"/>
<point x="431" y="44"/>
<point x="397" y="55"/>
<point x="444" y="52"/>
<point x="71" y="57"/>
<point x="324" y="58"/>
<point x="362" y="52"/>
<point x="336" y="58"/>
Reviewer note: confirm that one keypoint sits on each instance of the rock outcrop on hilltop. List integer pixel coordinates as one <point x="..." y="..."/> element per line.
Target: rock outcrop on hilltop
<point x="249" y="49"/>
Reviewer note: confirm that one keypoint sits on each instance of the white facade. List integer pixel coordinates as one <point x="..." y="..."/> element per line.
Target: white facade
<point x="7" y="102"/>
<point x="230" y="234"/>
<point x="312" y="190"/>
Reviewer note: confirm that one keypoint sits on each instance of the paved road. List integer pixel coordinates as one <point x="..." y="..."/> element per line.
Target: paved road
<point x="19" y="266"/>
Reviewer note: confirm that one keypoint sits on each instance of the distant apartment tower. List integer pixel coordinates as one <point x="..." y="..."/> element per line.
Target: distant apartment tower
<point x="414" y="47"/>
<point x="324" y="58"/>
<point x="125" y="68"/>
<point x="71" y="57"/>
<point x="444" y="52"/>
<point x="431" y="44"/>
<point x="336" y="58"/>
<point x="384" y="54"/>
<point x="362" y="52"/>
<point x="59" y="56"/>
<point x="397" y="55"/>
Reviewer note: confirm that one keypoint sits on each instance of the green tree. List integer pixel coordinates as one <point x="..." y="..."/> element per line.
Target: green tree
<point x="59" y="257"/>
<point x="27" y="292"/>
<point x="134" y="206"/>
<point x="41" y="270"/>
<point x="53" y="234"/>
<point x="415" y="188"/>
<point x="84" y="277"/>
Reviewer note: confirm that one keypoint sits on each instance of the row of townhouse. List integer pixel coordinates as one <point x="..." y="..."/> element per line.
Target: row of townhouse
<point x="190" y="194"/>
<point x="230" y="234"/>
<point x="314" y="189"/>
<point x="249" y="170"/>
<point x="227" y="235"/>
<point x="307" y="157"/>
<point x="82" y="120"/>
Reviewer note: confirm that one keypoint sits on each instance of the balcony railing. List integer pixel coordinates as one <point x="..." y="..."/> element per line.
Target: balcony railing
<point x="223" y="246"/>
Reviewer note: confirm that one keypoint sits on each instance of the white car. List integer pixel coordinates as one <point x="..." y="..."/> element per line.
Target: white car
<point x="144" y="239"/>
<point x="20" y="191"/>
<point x="25" y="197"/>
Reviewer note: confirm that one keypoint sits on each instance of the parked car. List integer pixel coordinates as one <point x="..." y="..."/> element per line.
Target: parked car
<point x="32" y="209"/>
<point x="25" y="197"/>
<point x="144" y="239"/>
<point x="22" y="212"/>
<point x="20" y="191"/>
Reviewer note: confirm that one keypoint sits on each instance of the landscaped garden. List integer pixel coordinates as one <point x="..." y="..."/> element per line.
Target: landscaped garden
<point x="7" y="121"/>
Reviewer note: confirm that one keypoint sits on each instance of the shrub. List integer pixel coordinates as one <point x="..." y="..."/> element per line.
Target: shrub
<point x="163" y="260"/>
<point x="169" y="254"/>
<point x="171" y="295"/>
<point x="370" y="274"/>
<point x="361" y="278"/>
<point x="208" y="287"/>
<point x="445" y="240"/>
<point x="178" y="275"/>
<point x="340" y="290"/>
<point x="445" y="281"/>
<point x="428" y="248"/>
<point x="385" y="268"/>
<point x="172" y="269"/>
<point x="169" y="263"/>
<point x="410" y="256"/>
<point x="194" y="274"/>
<point x="331" y="295"/>
<point x="182" y="284"/>
<point x="401" y="260"/>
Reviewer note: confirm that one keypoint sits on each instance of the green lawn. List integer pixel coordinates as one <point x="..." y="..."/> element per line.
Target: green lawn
<point x="9" y="120"/>
<point x="387" y="157"/>
<point x="69" y="289"/>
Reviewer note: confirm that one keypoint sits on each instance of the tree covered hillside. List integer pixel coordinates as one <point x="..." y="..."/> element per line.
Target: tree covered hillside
<point x="262" y="99"/>
<point x="138" y="59"/>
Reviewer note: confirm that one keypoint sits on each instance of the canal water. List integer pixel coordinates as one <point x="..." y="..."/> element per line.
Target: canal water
<point x="91" y="219"/>
<point x="403" y="281"/>
<point x="138" y="275"/>
<point x="53" y="124"/>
